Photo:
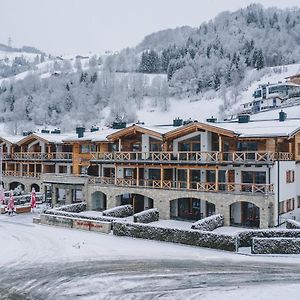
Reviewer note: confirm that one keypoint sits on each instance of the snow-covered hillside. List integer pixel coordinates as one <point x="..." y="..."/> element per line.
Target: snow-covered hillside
<point x="254" y="78"/>
<point x="205" y="105"/>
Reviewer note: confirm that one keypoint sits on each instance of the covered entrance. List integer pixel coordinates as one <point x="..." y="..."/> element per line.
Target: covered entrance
<point x="190" y="209"/>
<point x="244" y="214"/>
<point x="138" y="202"/>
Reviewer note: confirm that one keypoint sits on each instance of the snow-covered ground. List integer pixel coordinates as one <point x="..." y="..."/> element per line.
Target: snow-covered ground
<point x="42" y="262"/>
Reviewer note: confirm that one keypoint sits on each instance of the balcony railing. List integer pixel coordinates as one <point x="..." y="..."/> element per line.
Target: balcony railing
<point x="21" y="174"/>
<point x="38" y="156"/>
<point x="193" y="157"/>
<point x="183" y="185"/>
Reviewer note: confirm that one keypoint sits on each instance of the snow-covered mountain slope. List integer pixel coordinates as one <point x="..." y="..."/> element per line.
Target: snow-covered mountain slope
<point x="205" y="105"/>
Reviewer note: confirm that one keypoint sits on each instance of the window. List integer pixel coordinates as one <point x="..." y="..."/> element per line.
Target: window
<point x="290" y="176"/>
<point x="85" y="148"/>
<point x="253" y="177"/>
<point x="247" y="146"/>
<point x="290" y="204"/>
<point x="281" y="207"/>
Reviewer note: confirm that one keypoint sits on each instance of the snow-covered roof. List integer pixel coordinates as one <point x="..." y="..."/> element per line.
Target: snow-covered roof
<point x="263" y="128"/>
<point x="12" y="139"/>
<point x="162" y="129"/>
<point x="96" y="136"/>
<point x="272" y="114"/>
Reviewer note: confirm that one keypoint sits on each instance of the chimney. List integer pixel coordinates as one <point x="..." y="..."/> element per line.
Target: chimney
<point x="177" y="122"/>
<point x="282" y="116"/>
<point x="211" y="120"/>
<point x="243" y="118"/>
<point x="80" y="131"/>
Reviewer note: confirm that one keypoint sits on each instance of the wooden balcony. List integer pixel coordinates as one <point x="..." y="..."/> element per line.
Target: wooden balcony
<point x="193" y="157"/>
<point x="39" y="156"/>
<point x="183" y="185"/>
<point x="21" y="174"/>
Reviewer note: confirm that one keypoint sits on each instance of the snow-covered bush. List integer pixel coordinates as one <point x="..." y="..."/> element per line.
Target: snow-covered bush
<point x="245" y="237"/>
<point x="209" y="223"/>
<point x="146" y="216"/>
<point x="275" y="246"/>
<point x="181" y="236"/>
<point x="78" y="216"/>
<point x="76" y="207"/>
<point x="291" y="224"/>
<point x="122" y="211"/>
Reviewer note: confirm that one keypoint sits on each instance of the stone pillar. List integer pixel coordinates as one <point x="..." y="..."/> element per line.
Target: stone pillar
<point x="264" y="215"/>
<point x="164" y="207"/>
<point x="110" y="201"/>
<point x="224" y="209"/>
<point x="54" y="195"/>
<point x="69" y="194"/>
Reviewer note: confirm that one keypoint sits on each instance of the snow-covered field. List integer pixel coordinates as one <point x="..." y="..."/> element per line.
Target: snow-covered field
<point x="41" y="262"/>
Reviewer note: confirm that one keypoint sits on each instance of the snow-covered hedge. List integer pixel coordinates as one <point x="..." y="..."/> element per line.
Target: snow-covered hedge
<point x="76" y="207"/>
<point x="187" y="237"/>
<point x="245" y="237"/>
<point x="55" y="212"/>
<point x="275" y="246"/>
<point x="146" y="216"/>
<point x="122" y="211"/>
<point x="291" y="224"/>
<point x="209" y="223"/>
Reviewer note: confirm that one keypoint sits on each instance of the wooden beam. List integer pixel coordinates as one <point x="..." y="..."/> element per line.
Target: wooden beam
<point x="137" y="176"/>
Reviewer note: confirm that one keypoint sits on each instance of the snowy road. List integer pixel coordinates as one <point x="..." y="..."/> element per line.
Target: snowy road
<point x="40" y="262"/>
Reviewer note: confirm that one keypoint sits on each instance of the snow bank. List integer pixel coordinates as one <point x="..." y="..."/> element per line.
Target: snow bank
<point x="209" y="223"/>
<point x="146" y="216"/>
<point x="275" y="246"/>
<point x="181" y="236"/>
<point x="122" y="211"/>
<point x="291" y="224"/>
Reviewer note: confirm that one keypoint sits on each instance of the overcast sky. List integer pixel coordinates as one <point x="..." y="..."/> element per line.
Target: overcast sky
<point x="80" y="26"/>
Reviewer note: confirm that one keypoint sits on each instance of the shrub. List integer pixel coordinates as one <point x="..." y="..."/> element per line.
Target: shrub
<point x="209" y="223"/>
<point x="245" y="237"/>
<point x="188" y="237"/>
<point x="122" y="211"/>
<point x="275" y="246"/>
<point x="291" y="224"/>
<point x="146" y="216"/>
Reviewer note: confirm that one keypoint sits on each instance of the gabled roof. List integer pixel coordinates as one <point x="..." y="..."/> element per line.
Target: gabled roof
<point x="133" y="130"/>
<point x="263" y="128"/>
<point x="49" y="138"/>
<point x="11" y="139"/>
<point x="197" y="126"/>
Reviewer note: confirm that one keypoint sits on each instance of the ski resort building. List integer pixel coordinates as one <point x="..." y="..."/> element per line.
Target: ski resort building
<point x="249" y="171"/>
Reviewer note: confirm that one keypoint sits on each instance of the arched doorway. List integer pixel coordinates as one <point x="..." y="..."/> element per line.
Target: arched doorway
<point x="36" y="187"/>
<point x="244" y="214"/>
<point x="98" y="201"/>
<point x="191" y="209"/>
<point x="17" y="187"/>
<point x="138" y="201"/>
